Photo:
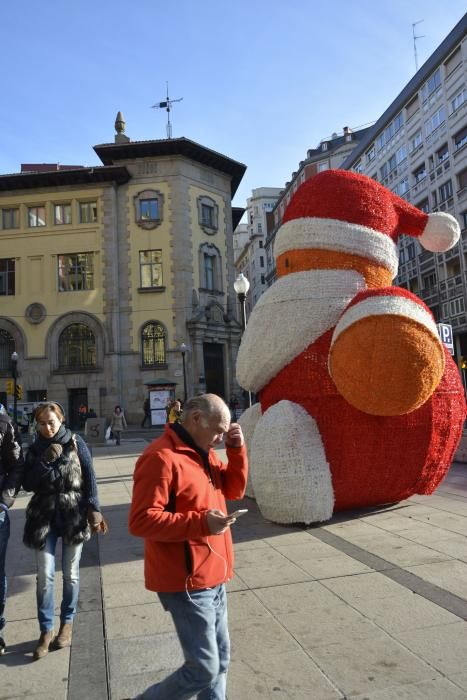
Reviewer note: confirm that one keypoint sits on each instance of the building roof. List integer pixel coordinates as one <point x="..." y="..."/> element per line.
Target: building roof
<point x="60" y="178"/>
<point x="443" y="50"/>
<point x="237" y="213"/>
<point x="111" y="152"/>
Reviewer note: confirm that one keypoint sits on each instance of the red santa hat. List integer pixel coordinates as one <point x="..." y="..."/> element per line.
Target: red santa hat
<point x="347" y="212"/>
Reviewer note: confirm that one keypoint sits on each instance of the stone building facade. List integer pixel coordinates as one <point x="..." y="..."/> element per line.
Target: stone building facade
<point x="107" y="273"/>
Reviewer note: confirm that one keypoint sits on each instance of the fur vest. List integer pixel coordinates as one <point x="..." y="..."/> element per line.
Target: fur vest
<point x="58" y="500"/>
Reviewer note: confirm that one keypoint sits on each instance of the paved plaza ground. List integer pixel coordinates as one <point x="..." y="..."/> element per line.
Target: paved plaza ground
<point x="372" y="605"/>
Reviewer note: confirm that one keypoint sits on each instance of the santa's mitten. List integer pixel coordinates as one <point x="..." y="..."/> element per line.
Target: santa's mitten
<point x="386" y="358"/>
<point x="248" y="421"/>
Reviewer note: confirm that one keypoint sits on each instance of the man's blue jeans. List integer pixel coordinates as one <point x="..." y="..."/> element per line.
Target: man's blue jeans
<point x="45" y="559"/>
<point x="4" y="536"/>
<point x="201" y="623"/>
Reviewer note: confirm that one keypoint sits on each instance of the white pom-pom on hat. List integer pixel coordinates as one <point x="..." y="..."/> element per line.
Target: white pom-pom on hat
<point x="441" y="233"/>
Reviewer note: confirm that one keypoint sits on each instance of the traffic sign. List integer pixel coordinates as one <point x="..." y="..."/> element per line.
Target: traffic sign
<point x="446" y="336"/>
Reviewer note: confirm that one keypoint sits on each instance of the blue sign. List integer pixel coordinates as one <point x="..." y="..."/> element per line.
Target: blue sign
<point x="446" y="336"/>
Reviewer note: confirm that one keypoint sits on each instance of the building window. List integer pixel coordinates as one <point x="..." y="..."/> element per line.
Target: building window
<point x="7" y="277"/>
<point x="420" y="173"/>
<point x="456" y="306"/>
<point x="7" y="348"/>
<point x="263" y="280"/>
<point x="462" y="179"/>
<point x="153" y="341"/>
<point x="460" y="139"/>
<point x="62" y="214"/>
<point x="36" y="216"/>
<point x="403" y="186"/>
<point x="10" y="217"/>
<point x="149" y="209"/>
<point x="463" y="217"/>
<point x="424" y="206"/>
<point x="454" y="60"/>
<point x="150" y="266"/>
<point x="457" y="101"/>
<point x="416" y="141"/>
<point x="209" y="279"/>
<point x="208" y="214"/>
<point x="259" y="227"/>
<point x="370" y="154"/>
<point x="87" y="212"/>
<point x="445" y="191"/>
<point x="75" y="272"/>
<point x="410" y="251"/>
<point x="261" y="244"/>
<point x="435" y="121"/>
<point x="429" y="281"/>
<point x="432" y="84"/>
<point x="77" y="348"/>
<point x="210" y="267"/>
<point x="261" y="261"/>
<point x="442" y="153"/>
<point x="412" y="107"/>
<point x="149" y="205"/>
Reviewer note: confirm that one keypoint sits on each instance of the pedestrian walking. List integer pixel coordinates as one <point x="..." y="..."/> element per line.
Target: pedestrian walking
<point x="11" y="472"/>
<point x="59" y="470"/>
<point x="147" y="413"/>
<point x="179" y="508"/>
<point x="118" y="424"/>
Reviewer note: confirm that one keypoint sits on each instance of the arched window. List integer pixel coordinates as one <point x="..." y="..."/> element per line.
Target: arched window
<point x="153" y="338"/>
<point x="77" y="348"/>
<point x="7" y="347"/>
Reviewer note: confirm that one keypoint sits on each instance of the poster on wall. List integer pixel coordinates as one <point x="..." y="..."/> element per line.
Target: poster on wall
<point x="158" y="400"/>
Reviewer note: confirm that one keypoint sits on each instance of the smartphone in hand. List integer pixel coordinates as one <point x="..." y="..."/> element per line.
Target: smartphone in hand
<point x="238" y="513"/>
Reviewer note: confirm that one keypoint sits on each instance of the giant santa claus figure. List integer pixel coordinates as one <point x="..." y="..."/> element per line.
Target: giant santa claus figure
<point x="360" y="404"/>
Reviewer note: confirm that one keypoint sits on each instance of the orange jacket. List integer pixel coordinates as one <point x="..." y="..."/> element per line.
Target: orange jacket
<point x="171" y="493"/>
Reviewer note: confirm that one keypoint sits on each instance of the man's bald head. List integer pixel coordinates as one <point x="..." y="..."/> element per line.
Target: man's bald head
<point x="206" y="418"/>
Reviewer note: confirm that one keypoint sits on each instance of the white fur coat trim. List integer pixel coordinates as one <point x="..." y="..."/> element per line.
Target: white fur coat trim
<point x="288" y="317"/>
<point x="332" y="234"/>
<point x="387" y="305"/>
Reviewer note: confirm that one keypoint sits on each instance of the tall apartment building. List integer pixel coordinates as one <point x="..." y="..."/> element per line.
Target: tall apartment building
<point x="107" y="272"/>
<point x="418" y="149"/>
<point x="330" y="153"/>
<point x="252" y="257"/>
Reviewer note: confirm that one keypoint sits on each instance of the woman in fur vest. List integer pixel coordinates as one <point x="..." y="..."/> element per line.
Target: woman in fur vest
<point x="65" y="505"/>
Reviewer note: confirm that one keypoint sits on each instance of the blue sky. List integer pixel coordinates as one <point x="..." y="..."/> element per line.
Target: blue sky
<point x="261" y="81"/>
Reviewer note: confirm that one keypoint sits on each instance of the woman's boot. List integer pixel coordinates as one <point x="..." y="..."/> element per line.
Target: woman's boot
<point x="42" y="648"/>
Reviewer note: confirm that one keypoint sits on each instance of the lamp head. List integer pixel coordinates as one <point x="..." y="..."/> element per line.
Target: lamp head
<point x="14" y="356"/>
<point x="241" y="284"/>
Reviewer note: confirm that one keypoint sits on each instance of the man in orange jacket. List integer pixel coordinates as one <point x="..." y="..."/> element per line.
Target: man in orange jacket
<point x="178" y="506"/>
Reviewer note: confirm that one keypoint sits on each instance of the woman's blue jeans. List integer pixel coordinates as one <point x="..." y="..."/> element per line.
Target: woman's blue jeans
<point x="200" y="620"/>
<point x="4" y="535"/>
<point x="45" y="559"/>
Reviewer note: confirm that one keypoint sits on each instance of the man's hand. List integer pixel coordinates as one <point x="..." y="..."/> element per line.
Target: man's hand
<point x="218" y="522"/>
<point x="234" y="437"/>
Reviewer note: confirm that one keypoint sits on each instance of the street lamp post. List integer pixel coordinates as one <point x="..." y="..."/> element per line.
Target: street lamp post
<point x="241" y="286"/>
<point x="183" y="349"/>
<point x="14" y="374"/>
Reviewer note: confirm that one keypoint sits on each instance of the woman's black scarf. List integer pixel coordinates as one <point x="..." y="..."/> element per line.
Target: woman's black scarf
<point x="61" y="437"/>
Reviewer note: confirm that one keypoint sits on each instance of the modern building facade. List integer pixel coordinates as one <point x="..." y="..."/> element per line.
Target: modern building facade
<point x="418" y="149"/>
<point x="330" y="153"/>
<point x="108" y="273"/>
<point x="251" y="259"/>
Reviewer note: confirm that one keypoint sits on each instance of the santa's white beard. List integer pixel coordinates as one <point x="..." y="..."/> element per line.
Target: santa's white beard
<point x="288" y="317"/>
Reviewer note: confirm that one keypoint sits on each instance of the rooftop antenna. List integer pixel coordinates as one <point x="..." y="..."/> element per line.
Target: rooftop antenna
<point x="422" y="36"/>
<point x="167" y="105"/>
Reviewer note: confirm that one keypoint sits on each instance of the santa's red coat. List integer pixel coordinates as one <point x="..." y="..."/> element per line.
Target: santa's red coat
<point x="373" y="459"/>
